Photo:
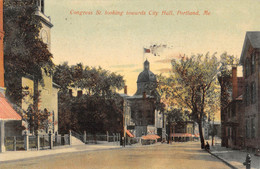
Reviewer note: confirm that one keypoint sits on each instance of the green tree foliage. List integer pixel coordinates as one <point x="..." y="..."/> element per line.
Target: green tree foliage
<point x="224" y="77"/>
<point x="24" y="51"/>
<point x="94" y="81"/>
<point x="193" y="85"/>
<point x="98" y="109"/>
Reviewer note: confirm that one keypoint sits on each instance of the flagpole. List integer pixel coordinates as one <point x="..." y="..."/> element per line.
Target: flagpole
<point x="143" y="54"/>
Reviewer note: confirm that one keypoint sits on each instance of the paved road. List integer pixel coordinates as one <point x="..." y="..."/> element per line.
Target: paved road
<point x="178" y="155"/>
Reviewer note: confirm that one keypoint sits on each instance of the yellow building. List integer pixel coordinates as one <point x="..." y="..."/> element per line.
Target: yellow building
<point x="48" y="90"/>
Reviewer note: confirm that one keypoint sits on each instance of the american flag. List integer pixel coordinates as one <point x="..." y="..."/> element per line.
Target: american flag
<point x="147" y="50"/>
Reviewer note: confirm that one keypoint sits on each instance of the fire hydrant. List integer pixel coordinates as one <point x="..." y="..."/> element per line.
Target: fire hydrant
<point x="247" y="163"/>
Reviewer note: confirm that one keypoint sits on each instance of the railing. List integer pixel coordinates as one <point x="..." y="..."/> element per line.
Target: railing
<point x="32" y="142"/>
<point x="44" y="142"/>
<point x="96" y="138"/>
<point x="78" y="135"/>
<point x="59" y="140"/>
<point x="14" y="143"/>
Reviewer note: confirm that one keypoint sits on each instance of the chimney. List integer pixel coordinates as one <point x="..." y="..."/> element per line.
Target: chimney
<point x="70" y="92"/>
<point x="144" y="95"/>
<point x="125" y="90"/>
<point x="234" y="83"/>
<point x="79" y="93"/>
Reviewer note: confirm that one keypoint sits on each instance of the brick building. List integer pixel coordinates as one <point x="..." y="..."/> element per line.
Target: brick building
<point x="10" y="120"/>
<point x="233" y="115"/>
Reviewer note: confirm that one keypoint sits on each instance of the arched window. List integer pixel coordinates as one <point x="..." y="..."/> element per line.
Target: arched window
<point x="253" y="62"/>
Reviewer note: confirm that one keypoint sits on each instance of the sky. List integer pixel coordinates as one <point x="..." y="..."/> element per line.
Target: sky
<point x="116" y="42"/>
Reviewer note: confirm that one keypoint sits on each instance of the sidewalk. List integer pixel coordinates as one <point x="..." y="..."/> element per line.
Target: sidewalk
<point x="235" y="158"/>
<point x="20" y="155"/>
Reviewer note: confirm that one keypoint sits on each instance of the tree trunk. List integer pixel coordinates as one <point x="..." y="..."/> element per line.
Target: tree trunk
<point x="169" y="128"/>
<point x="201" y="135"/>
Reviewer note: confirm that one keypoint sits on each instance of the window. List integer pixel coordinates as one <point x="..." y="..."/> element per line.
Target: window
<point x="42" y="6"/>
<point x="247" y="129"/>
<point x="247" y="68"/>
<point x="253" y="62"/>
<point x="233" y="110"/>
<point x="253" y="128"/>
<point x="247" y="95"/>
<point x="253" y="93"/>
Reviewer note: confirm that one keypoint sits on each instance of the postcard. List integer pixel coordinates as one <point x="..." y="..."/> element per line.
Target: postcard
<point x="129" y="84"/>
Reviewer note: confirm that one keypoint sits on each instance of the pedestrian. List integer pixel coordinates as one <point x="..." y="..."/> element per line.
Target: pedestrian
<point x="207" y="147"/>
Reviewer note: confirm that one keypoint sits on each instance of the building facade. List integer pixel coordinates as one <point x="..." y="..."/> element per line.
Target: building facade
<point x="10" y="120"/>
<point x="251" y="97"/>
<point x="48" y="91"/>
<point x="233" y="114"/>
<point x="146" y="119"/>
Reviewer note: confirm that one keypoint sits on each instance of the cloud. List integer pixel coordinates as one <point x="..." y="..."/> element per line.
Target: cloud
<point x="137" y="70"/>
<point x="124" y="66"/>
<point x="164" y="70"/>
<point x="164" y="61"/>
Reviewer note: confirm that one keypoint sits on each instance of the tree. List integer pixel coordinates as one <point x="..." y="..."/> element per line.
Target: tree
<point x="194" y="86"/>
<point x="37" y="119"/>
<point x="99" y="109"/>
<point x="24" y="51"/>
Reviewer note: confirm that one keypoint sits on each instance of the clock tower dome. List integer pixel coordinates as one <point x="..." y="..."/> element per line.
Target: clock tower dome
<point x="45" y="32"/>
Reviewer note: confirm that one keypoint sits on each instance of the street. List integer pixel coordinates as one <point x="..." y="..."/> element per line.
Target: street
<point x="161" y="156"/>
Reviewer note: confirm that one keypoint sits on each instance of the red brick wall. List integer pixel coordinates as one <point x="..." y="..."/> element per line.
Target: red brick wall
<point x="1" y="46"/>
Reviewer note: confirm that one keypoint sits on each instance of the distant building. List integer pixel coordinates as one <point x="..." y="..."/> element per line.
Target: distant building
<point x="234" y="115"/>
<point x="251" y="97"/>
<point x="181" y="131"/>
<point x="144" y="114"/>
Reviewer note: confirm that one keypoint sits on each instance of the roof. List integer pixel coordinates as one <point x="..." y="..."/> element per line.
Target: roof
<point x="182" y="135"/>
<point x="146" y="76"/>
<point x="124" y="95"/>
<point x="254" y="39"/>
<point x="6" y="110"/>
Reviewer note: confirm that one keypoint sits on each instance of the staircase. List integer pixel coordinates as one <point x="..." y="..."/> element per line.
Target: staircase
<point x="76" y="141"/>
<point x="76" y="138"/>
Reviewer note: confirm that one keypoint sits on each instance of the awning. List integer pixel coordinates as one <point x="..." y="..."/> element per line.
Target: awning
<point x="129" y="134"/>
<point x="182" y="135"/>
<point x="196" y="135"/>
<point x="151" y="137"/>
<point x="6" y="110"/>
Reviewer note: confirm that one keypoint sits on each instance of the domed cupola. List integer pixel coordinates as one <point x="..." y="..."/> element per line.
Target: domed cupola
<point x="146" y="80"/>
<point x="146" y="75"/>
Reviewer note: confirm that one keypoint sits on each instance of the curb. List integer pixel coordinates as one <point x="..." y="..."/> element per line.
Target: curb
<point x="224" y="161"/>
